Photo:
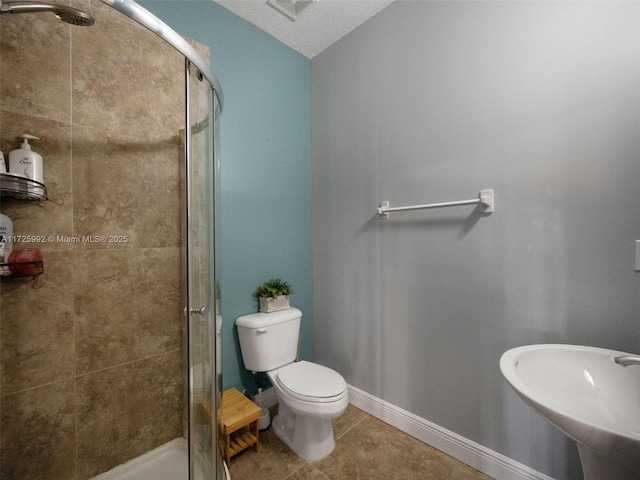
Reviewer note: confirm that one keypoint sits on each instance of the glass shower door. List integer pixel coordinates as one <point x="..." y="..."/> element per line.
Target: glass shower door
<point x="204" y="320"/>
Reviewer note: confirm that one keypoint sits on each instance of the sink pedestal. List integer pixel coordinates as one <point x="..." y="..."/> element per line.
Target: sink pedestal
<point x="597" y="466"/>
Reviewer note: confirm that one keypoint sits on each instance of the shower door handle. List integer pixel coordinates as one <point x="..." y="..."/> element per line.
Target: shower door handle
<point x="200" y="311"/>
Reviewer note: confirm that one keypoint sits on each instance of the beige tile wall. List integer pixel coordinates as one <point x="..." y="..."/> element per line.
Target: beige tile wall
<point x="91" y="362"/>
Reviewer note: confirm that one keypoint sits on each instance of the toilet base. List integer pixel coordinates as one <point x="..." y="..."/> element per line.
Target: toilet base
<point x="311" y="438"/>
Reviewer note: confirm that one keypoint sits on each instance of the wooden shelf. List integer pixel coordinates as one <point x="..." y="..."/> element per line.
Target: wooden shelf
<point x="241" y="440"/>
<point x="238" y="423"/>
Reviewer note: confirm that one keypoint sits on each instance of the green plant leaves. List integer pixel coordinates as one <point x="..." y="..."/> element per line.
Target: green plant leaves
<point x="273" y="288"/>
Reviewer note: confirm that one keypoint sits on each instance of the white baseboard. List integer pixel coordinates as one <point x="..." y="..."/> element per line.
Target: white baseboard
<point x="469" y="452"/>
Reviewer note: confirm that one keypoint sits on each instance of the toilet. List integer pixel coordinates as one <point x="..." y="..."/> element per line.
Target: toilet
<point x="309" y="395"/>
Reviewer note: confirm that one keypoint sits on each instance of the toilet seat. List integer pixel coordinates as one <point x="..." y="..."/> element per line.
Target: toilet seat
<point x="311" y="382"/>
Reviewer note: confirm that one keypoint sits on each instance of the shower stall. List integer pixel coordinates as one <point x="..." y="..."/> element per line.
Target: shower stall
<point x="110" y="359"/>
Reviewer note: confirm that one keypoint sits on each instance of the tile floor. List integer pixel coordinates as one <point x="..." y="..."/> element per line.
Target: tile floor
<point x="366" y="449"/>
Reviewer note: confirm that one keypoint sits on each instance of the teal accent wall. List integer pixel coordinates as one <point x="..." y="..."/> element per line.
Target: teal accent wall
<point x="266" y="166"/>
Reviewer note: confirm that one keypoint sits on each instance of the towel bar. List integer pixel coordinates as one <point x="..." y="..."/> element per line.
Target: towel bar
<point x="485" y="200"/>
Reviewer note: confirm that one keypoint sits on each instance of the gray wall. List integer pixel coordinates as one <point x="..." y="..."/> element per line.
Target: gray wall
<point x="433" y="101"/>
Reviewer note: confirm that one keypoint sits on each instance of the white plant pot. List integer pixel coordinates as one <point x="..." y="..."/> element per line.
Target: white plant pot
<point x="270" y="304"/>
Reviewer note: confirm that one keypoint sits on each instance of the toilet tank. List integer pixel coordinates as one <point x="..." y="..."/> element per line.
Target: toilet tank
<point x="269" y="340"/>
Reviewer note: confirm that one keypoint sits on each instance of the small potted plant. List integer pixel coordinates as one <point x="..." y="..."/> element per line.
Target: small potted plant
<point x="273" y="295"/>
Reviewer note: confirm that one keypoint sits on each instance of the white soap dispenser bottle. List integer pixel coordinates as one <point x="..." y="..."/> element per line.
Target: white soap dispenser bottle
<point x="25" y="162"/>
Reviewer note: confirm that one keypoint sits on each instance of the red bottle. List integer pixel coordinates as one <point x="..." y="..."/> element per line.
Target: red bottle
<point x="26" y="262"/>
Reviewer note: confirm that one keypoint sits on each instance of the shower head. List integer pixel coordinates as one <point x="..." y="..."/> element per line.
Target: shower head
<point x="73" y="16"/>
<point x="64" y="13"/>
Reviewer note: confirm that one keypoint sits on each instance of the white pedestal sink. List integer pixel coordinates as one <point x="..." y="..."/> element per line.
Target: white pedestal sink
<point x="589" y="397"/>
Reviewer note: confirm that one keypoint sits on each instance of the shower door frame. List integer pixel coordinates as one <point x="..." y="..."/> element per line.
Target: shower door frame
<point x="206" y="307"/>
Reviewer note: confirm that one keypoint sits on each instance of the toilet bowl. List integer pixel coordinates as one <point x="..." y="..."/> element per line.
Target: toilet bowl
<point x="309" y="395"/>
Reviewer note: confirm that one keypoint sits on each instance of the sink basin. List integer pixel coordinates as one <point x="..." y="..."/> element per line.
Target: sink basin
<point x="589" y="397"/>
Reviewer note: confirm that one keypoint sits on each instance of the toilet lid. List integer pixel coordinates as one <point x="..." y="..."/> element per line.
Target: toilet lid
<point x="311" y="380"/>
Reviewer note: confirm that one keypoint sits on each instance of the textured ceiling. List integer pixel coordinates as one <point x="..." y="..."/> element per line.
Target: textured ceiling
<point x="316" y="28"/>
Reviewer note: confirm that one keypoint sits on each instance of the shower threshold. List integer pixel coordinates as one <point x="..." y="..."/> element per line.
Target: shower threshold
<point x="167" y="462"/>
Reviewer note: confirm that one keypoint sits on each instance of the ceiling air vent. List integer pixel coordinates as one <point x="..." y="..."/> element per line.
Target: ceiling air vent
<point x="291" y="8"/>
